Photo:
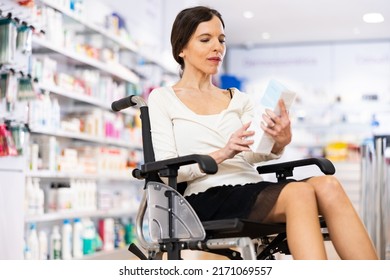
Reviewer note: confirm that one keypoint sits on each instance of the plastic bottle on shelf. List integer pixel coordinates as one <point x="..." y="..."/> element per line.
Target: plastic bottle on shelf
<point x="93" y="187"/>
<point x="129" y="232"/>
<point x="52" y="198"/>
<point x="86" y="195"/>
<point x="39" y="196"/>
<point x="119" y="233"/>
<point x="77" y="238"/>
<point x="61" y="197"/>
<point x="106" y="232"/>
<point x="56" y="114"/>
<point x="66" y="240"/>
<point x="43" y="245"/>
<point x="90" y="194"/>
<point x="89" y="235"/>
<point x="27" y="252"/>
<point x="32" y="242"/>
<point x="35" y="114"/>
<point x="34" y="153"/>
<point x="74" y="194"/>
<point x="47" y="111"/>
<point x="64" y="197"/>
<point x="35" y="198"/>
<point x="55" y="243"/>
<point x="80" y="193"/>
<point x="52" y="158"/>
<point x="75" y="190"/>
<point x="29" y="197"/>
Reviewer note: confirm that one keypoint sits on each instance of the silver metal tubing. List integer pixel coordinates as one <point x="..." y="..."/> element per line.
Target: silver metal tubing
<point x="139" y="101"/>
<point x="139" y="226"/>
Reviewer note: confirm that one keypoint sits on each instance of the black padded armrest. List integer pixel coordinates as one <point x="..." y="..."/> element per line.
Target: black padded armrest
<point x="206" y="163"/>
<point x="325" y="165"/>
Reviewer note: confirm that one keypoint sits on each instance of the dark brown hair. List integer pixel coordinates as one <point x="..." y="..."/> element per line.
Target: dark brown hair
<point x="185" y="25"/>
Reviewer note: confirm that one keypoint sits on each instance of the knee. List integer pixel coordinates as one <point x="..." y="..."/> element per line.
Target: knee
<point x="329" y="184"/>
<point x="298" y="197"/>
<point x="329" y="189"/>
<point x="299" y="191"/>
<point x="329" y="181"/>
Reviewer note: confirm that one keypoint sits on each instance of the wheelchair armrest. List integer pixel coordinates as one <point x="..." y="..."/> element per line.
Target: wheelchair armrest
<point x="206" y="163"/>
<point x="325" y="165"/>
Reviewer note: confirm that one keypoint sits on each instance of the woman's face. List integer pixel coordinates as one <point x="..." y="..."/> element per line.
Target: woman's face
<point x="206" y="48"/>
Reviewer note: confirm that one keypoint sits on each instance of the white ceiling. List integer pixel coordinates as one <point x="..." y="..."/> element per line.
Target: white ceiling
<point x="301" y="21"/>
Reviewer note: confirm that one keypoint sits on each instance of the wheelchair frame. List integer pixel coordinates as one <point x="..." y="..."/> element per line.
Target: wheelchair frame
<point x="174" y="225"/>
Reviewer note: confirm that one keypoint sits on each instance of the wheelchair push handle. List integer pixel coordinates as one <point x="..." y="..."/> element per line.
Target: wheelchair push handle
<point x="126" y="102"/>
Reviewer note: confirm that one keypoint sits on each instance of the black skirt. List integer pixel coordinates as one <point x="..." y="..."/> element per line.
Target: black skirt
<point x="227" y="201"/>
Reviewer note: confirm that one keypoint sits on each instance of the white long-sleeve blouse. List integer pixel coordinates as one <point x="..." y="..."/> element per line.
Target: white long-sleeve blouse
<point x="178" y="131"/>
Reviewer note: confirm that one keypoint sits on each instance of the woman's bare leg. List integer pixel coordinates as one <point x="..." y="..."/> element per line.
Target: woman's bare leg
<point x="297" y="206"/>
<point x="346" y="230"/>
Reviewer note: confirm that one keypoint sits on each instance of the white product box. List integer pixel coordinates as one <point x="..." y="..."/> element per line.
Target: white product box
<point x="263" y="142"/>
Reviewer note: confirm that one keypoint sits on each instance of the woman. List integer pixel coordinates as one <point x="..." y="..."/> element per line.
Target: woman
<point x="196" y="117"/>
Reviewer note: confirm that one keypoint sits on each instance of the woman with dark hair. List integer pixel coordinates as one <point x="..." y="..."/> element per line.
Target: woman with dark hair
<point x="196" y="117"/>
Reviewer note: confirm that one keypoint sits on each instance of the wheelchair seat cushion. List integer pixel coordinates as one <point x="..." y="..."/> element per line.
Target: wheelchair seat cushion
<point x="227" y="201"/>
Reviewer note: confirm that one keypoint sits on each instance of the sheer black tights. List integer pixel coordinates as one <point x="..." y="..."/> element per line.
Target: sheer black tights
<point x="264" y="203"/>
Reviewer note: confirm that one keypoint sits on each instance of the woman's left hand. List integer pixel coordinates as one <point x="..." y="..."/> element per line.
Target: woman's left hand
<point x="279" y="127"/>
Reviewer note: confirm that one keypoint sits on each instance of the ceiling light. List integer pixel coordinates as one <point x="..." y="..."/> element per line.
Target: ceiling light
<point x="248" y="14"/>
<point x="373" y="18"/>
<point x="265" y="35"/>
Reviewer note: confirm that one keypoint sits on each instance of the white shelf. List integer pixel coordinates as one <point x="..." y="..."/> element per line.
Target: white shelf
<point x="116" y="254"/>
<point x="81" y="97"/>
<point x="85" y="137"/>
<point x="171" y="69"/>
<point x="122" y="43"/>
<point x="115" y="69"/>
<point x="73" y="95"/>
<point x="46" y="174"/>
<point x="98" y="29"/>
<point x="69" y="214"/>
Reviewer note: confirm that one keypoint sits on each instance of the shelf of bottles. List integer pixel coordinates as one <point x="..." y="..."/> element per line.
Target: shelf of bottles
<point x="111" y="33"/>
<point x="74" y="218"/>
<point x="79" y="238"/>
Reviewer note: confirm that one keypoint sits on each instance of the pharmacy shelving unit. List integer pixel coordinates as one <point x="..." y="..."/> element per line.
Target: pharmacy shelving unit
<point x="117" y="71"/>
<point x="120" y="74"/>
<point x="55" y="90"/>
<point x="123" y="44"/>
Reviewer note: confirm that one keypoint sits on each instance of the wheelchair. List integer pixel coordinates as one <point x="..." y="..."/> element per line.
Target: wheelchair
<point x="173" y="225"/>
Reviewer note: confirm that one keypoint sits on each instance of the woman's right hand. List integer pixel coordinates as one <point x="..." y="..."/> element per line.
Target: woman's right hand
<point x="237" y="143"/>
